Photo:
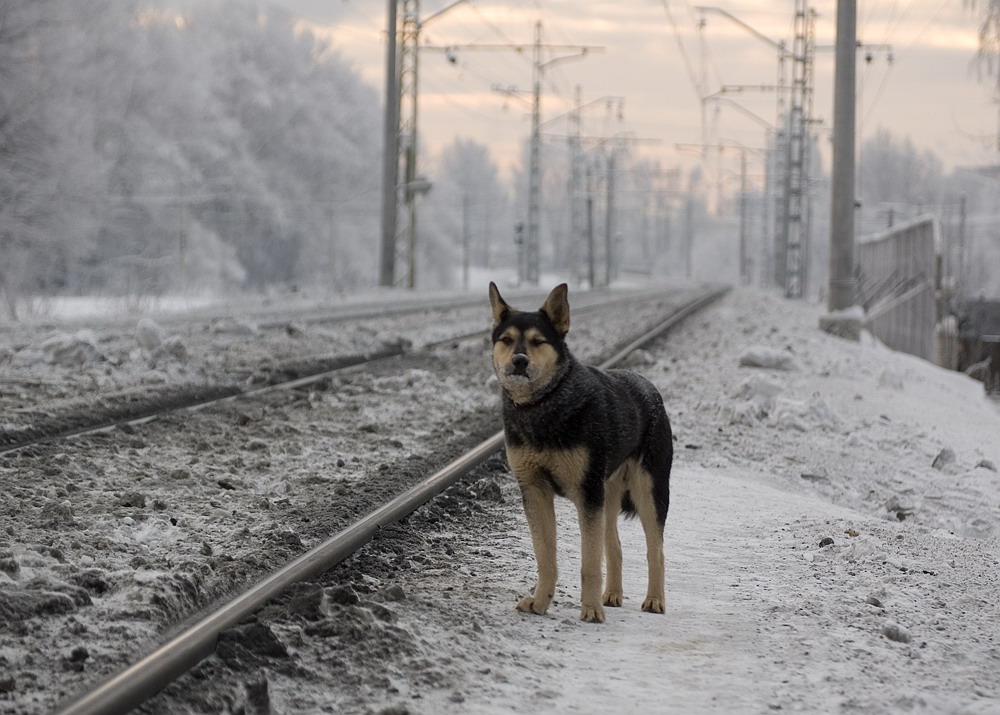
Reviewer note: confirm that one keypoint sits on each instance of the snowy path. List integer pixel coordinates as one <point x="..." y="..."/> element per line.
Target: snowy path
<point x="759" y="617"/>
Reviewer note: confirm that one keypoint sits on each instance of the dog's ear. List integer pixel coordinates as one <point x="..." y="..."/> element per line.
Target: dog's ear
<point x="500" y="308"/>
<point x="556" y="308"/>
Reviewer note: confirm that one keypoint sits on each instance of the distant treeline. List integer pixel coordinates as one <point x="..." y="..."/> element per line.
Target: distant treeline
<point x="212" y="144"/>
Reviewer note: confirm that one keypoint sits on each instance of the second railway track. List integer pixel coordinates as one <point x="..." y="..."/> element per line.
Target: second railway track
<point x="179" y="552"/>
<point x="97" y="410"/>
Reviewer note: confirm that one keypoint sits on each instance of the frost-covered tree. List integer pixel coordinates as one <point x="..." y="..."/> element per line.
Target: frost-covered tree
<point x="180" y="145"/>
<point x="469" y="202"/>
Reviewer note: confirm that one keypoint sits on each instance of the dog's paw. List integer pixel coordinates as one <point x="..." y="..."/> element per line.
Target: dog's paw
<point x="612" y="598"/>
<point x="653" y="605"/>
<point x="528" y="604"/>
<point x="592" y="614"/>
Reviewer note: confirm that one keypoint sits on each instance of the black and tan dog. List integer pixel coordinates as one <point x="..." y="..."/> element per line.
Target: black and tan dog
<point x="600" y="438"/>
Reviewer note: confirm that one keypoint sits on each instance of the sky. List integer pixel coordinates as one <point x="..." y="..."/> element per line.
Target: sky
<point x="661" y="56"/>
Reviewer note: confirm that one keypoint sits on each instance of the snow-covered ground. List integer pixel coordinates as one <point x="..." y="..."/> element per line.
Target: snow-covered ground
<point x="898" y="614"/>
<point x="817" y="559"/>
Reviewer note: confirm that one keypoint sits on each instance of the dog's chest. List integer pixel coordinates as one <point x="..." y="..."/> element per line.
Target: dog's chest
<point x="563" y="469"/>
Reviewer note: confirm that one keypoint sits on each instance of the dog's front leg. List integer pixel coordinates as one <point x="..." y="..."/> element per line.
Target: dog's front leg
<point x="539" y="508"/>
<point x="591" y="552"/>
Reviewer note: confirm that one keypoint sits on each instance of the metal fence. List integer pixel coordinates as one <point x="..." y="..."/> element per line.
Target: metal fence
<point x="897" y="280"/>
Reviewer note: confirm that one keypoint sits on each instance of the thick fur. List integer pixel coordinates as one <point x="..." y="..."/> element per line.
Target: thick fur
<point x="600" y="438"/>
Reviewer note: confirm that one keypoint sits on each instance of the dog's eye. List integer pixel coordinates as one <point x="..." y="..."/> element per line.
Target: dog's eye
<point x="507" y="340"/>
<point x="536" y="342"/>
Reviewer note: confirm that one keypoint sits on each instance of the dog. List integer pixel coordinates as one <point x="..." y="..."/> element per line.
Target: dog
<point x="600" y="438"/>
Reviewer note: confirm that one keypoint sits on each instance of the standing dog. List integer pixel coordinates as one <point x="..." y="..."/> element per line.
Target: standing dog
<point x="602" y="439"/>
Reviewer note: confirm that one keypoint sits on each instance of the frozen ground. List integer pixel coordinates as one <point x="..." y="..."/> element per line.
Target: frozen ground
<point x="106" y="541"/>
<point x="823" y="555"/>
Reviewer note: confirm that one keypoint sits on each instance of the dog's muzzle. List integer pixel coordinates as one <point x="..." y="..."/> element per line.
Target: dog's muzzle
<point x="520" y="364"/>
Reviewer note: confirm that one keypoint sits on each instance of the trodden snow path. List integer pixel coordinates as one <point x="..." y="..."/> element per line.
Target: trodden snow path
<point x="760" y="618"/>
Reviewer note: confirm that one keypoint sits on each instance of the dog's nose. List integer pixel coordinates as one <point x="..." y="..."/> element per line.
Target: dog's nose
<point x="520" y="362"/>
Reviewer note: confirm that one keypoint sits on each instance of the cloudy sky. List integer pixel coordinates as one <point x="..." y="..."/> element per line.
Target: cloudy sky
<point x="661" y="56"/>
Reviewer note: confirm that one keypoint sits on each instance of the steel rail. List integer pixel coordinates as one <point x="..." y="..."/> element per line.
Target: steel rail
<point x="349" y="362"/>
<point x="140" y="681"/>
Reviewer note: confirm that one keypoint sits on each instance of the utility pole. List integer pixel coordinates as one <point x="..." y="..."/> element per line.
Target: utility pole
<point x="609" y="220"/>
<point x="591" y="275"/>
<point x="409" y="38"/>
<point x="843" y="283"/>
<point x="465" y="240"/>
<point x="794" y="234"/>
<point x="390" y="155"/>
<point x="574" y="181"/>
<point x="744" y="239"/>
<point x="402" y="91"/>
<point x="531" y="239"/>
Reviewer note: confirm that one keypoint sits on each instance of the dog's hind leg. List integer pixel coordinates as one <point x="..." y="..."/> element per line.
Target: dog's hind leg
<point x="642" y="494"/>
<point x="539" y="508"/>
<point x="614" y="490"/>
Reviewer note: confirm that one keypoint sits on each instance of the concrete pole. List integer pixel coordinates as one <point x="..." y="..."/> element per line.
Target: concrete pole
<point x="390" y="160"/>
<point x="843" y="282"/>
<point x="609" y="221"/>
<point x="744" y="228"/>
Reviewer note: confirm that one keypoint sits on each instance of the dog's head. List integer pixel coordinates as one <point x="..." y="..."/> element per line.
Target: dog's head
<point x="529" y="347"/>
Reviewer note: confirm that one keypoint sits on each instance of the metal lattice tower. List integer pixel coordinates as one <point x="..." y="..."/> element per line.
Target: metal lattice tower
<point x="535" y="163"/>
<point x="795" y="215"/>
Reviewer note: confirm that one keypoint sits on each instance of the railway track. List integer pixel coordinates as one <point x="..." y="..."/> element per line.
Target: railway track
<point x="136" y="683"/>
<point x="139" y="405"/>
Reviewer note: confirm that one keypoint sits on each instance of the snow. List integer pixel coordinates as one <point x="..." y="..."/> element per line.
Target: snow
<point x="898" y="614"/>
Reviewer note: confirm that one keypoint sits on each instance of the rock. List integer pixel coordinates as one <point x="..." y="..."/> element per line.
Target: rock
<point x="394" y="341"/>
<point x="986" y="464"/>
<point x="945" y="457"/>
<point x="258" y="698"/>
<point x="394" y="593"/>
<point x="18" y="605"/>
<point x="343" y="595"/>
<point x="307" y="600"/>
<point x="845" y="323"/>
<point x="10" y="566"/>
<point x="394" y="710"/>
<point x="895" y="632"/>
<point x="7" y="685"/>
<point x="175" y="348"/>
<point x="874" y="601"/>
<point x="232" y="326"/>
<point x="56" y="514"/>
<point x="148" y="334"/>
<point x="768" y="358"/>
<point x="826" y="541"/>
<point x="133" y="499"/>
<point x="250" y="639"/>
<point x="72" y="350"/>
<point x="155" y="377"/>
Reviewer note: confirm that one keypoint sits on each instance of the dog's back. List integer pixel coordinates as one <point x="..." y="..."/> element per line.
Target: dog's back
<point x="613" y="416"/>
